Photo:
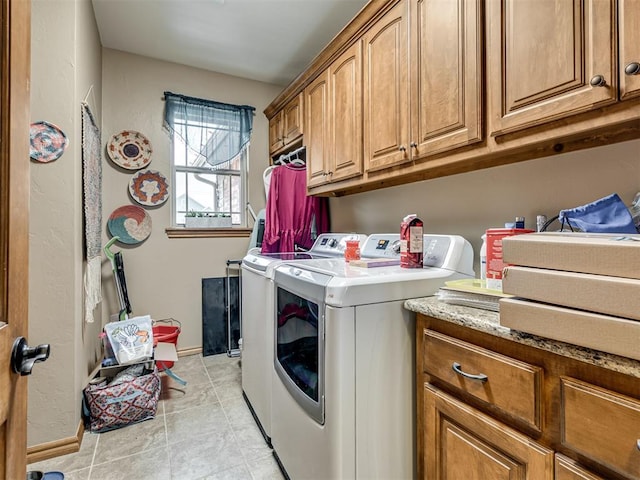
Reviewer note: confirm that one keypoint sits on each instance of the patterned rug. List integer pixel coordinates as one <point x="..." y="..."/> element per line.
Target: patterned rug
<point x="92" y="197"/>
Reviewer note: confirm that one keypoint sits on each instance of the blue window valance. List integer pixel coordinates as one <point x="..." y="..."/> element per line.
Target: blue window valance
<point x="218" y="132"/>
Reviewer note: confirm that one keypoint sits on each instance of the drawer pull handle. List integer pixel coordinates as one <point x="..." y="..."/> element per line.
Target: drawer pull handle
<point x="458" y="369"/>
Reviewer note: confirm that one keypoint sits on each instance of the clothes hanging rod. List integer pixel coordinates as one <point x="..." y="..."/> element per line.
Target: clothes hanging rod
<point x="287" y="156"/>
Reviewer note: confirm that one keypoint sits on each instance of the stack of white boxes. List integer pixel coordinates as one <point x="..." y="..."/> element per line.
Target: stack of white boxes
<point x="580" y="288"/>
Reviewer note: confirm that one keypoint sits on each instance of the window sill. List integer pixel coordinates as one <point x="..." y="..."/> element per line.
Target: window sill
<point x="182" y="232"/>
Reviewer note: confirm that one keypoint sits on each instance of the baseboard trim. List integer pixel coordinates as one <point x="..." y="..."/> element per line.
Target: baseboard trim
<point x="45" y="451"/>
<point x="189" y="351"/>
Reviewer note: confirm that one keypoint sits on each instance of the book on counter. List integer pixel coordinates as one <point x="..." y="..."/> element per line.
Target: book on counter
<point x="471" y="292"/>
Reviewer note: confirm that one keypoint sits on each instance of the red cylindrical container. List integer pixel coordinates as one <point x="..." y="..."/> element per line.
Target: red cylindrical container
<point x="411" y="250"/>
<point x="495" y="265"/>
<point x="352" y="251"/>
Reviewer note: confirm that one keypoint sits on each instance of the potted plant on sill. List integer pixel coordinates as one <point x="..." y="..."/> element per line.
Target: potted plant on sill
<point x="194" y="219"/>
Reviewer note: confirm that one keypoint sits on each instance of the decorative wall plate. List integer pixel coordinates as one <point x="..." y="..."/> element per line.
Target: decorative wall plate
<point x="149" y="187"/>
<point x="131" y="223"/>
<point x="129" y="149"/>
<point x="47" y="142"/>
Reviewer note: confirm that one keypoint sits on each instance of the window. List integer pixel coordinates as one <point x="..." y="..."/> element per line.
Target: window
<point x="209" y="159"/>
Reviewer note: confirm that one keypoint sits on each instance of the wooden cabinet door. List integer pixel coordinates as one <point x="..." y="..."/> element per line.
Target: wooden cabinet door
<point x="629" y="22"/>
<point x="461" y="442"/>
<point x="446" y="75"/>
<point x="542" y="57"/>
<point x="292" y="115"/>
<point x="275" y="133"/>
<point x="345" y="115"/>
<point x="316" y="101"/>
<point x="386" y="91"/>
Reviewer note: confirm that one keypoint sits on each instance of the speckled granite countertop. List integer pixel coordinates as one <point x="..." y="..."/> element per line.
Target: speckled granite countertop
<point x="489" y="322"/>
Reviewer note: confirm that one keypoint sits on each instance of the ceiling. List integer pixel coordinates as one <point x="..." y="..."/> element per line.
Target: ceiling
<point x="266" y="40"/>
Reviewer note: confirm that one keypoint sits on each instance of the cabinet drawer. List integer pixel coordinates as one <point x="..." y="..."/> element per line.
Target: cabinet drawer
<point x="512" y="386"/>
<point x="601" y="425"/>
<point x="567" y="469"/>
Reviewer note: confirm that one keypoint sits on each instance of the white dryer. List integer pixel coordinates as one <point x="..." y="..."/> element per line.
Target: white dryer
<point x="343" y="398"/>
<point x="258" y="323"/>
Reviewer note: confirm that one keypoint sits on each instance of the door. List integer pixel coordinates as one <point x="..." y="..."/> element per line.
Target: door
<point x="446" y="75"/>
<point x="629" y="21"/>
<point x="316" y="129"/>
<point x="345" y="115"/>
<point x="293" y="121"/>
<point x="549" y="59"/>
<point x="386" y="91"/>
<point x="15" y="41"/>
<point x="461" y="442"/>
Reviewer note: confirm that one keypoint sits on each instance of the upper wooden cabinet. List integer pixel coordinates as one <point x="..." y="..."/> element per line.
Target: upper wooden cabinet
<point x="549" y="59"/>
<point x="345" y="115"/>
<point x="276" y="138"/>
<point x="446" y="65"/>
<point x="386" y="91"/>
<point x="417" y="89"/>
<point x="334" y="120"/>
<point x="316" y="132"/>
<point x="629" y="21"/>
<point x="426" y="99"/>
<point x="285" y="128"/>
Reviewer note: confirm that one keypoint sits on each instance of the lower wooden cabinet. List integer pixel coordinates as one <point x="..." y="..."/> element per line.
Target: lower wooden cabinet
<point x="463" y="443"/>
<point x="493" y="408"/>
<point x="602" y="425"/>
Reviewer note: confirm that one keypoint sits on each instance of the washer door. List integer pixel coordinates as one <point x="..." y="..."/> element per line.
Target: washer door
<point x="299" y="347"/>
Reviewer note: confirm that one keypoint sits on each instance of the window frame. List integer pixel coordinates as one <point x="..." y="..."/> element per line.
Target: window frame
<point x="242" y="228"/>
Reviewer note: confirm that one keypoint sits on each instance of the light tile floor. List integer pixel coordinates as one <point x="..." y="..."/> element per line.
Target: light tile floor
<point x="203" y="431"/>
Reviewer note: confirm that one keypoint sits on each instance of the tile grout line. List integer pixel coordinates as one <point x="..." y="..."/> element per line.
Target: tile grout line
<point x="93" y="457"/>
<point x="224" y="411"/>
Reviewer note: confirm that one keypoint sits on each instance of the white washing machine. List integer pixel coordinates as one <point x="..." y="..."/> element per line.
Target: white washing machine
<point x="257" y="319"/>
<point x="343" y="397"/>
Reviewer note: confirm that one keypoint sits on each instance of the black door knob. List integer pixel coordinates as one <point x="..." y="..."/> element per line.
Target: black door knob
<point x="23" y="357"/>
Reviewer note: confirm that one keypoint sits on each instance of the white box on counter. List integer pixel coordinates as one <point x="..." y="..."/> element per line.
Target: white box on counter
<point x="592" y="330"/>
<point x="616" y="255"/>
<point x="594" y="293"/>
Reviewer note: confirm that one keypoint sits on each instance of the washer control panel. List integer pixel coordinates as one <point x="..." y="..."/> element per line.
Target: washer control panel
<point x="334" y="244"/>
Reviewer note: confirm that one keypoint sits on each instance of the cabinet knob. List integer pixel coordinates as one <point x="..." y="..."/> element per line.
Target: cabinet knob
<point x="597" y="81"/>
<point x="632" y="69"/>
<point x="413" y="145"/>
<point x="638" y="443"/>
<point x="481" y="377"/>
<point x="402" y="148"/>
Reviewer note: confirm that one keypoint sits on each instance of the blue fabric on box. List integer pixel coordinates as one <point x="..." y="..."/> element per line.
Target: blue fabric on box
<point x="606" y="215"/>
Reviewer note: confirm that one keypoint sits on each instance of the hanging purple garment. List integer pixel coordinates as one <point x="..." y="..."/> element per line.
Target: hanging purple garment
<point x="291" y="214"/>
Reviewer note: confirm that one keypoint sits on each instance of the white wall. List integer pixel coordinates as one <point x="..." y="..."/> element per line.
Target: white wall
<point x="164" y="276"/>
<point x="469" y="203"/>
<point x="65" y="62"/>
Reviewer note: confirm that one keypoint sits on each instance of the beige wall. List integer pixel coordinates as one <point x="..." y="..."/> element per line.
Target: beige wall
<point x="469" y="203"/>
<point x="65" y="63"/>
<point x="164" y="276"/>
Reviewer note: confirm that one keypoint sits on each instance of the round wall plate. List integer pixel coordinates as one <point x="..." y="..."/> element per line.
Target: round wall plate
<point x="132" y="224"/>
<point x="46" y="142"/>
<point x="149" y="187"/>
<point x="130" y="150"/>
